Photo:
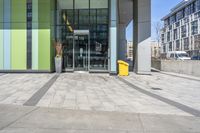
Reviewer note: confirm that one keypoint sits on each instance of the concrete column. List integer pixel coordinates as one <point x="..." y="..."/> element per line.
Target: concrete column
<point x="122" y="46"/>
<point x="142" y="36"/>
<point x="113" y="37"/>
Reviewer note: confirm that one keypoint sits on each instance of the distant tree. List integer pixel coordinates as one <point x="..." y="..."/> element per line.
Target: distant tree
<point x="157" y="27"/>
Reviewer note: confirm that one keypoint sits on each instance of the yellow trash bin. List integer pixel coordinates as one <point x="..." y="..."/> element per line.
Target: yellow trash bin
<point x="123" y="68"/>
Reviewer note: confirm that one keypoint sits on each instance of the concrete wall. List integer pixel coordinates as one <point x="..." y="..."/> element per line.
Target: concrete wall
<point x="189" y="67"/>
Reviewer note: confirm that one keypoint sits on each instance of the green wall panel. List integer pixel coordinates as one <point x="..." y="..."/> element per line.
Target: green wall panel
<point x="18" y="11"/>
<point x="18" y="35"/>
<point x="44" y="34"/>
<point x="18" y="51"/>
<point x="1" y="34"/>
<point x="1" y="11"/>
<point x="44" y="7"/>
<point x="44" y="49"/>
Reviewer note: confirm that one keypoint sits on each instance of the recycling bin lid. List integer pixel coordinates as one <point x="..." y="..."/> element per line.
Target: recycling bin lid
<point x="122" y="62"/>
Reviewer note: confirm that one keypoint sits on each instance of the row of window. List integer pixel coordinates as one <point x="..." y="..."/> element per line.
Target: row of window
<point x="192" y="8"/>
<point x="183" y="33"/>
<point x="185" y="44"/>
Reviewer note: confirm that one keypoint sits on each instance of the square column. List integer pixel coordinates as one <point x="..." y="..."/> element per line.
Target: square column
<point x="113" y="37"/>
<point x="142" y="36"/>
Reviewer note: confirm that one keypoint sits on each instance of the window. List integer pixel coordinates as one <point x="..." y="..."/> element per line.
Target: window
<point x="175" y="34"/>
<point x="198" y="5"/>
<point x="164" y="48"/>
<point x="177" y="24"/>
<point x="162" y="38"/>
<point x="183" y="31"/>
<point x="180" y="15"/>
<point x="190" y="8"/>
<point x="186" y="20"/>
<point x="197" y="42"/>
<point x="177" y="45"/>
<point x="29" y="34"/>
<point x="167" y="22"/>
<point x="194" y="27"/>
<point x="186" y="43"/>
<point x="172" y="19"/>
<point x="187" y="11"/>
<point x="168" y="36"/>
<point x="170" y="46"/>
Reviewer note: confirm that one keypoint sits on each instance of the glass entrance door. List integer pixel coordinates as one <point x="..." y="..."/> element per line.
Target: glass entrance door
<point x="81" y="52"/>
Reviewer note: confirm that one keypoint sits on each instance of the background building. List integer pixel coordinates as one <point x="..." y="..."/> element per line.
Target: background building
<point x="130" y="50"/>
<point x="181" y="30"/>
<point x="91" y="31"/>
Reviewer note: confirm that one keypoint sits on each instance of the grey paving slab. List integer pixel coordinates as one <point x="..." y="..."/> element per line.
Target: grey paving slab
<point x="51" y="120"/>
<point x="79" y="120"/>
<point x="1" y="74"/>
<point x="170" y="124"/>
<point x="181" y="90"/>
<point x="18" y="88"/>
<point x="101" y="92"/>
<point x="9" y="114"/>
<point x="182" y="107"/>
<point x="41" y="92"/>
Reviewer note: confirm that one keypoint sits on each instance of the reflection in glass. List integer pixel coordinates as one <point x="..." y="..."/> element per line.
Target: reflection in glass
<point x="81" y="17"/>
<point x="68" y="52"/>
<point x="81" y="52"/>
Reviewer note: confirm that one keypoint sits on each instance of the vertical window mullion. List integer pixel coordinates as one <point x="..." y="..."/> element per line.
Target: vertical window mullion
<point x="29" y="34"/>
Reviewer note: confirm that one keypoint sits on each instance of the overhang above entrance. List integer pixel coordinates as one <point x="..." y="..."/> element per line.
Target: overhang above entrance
<point x="125" y="11"/>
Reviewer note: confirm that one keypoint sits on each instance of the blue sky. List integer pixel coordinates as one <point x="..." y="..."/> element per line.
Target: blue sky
<point x="160" y="8"/>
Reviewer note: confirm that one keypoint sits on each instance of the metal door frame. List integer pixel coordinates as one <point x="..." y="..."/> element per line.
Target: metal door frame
<point x="82" y="32"/>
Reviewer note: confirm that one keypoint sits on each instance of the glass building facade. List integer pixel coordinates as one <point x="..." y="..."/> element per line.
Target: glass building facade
<point x="28" y="29"/>
<point x="89" y="50"/>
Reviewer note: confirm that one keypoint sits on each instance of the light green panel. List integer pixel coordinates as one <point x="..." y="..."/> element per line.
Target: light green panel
<point x="44" y="49"/>
<point x="1" y="34"/>
<point x="18" y="49"/>
<point x="18" y="35"/>
<point x="35" y="35"/>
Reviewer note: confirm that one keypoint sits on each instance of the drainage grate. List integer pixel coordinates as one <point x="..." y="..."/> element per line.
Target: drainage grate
<point x="157" y="89"/>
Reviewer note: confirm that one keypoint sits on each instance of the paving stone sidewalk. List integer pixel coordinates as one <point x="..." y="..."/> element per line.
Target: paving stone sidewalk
<point x="21" y="119"/>
<point x="99" y="103"/>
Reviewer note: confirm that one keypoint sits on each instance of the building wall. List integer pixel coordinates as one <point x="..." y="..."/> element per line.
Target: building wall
<point x="13" y="35"/>
<point x="189" y="67"/>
